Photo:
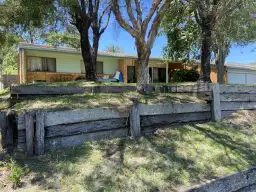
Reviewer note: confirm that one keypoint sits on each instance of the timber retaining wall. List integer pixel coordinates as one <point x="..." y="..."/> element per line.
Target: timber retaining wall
<point x="37" y="132"/>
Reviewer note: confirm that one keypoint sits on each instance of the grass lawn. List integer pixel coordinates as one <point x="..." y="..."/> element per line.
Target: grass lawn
<point x="171" y="160"/>
<point x="4" y="96"/>
<point x="79" y="101"/>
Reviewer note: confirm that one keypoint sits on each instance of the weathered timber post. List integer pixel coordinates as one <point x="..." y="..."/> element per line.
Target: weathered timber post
<point x="29" y="124"/>
<point x="3" y="128"/>
<point x="39" y="135"/>
<point x="8" y="128"/>
<point x="216" y="110"/>
<point x="135" y="119"/>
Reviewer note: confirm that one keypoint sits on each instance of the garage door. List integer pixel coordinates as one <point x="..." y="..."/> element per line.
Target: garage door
<point x="236" y="78"/>
<point x="251" y="78"/>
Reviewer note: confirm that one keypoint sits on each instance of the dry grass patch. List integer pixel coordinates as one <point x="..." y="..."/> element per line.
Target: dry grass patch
<point x="81" y="101"/>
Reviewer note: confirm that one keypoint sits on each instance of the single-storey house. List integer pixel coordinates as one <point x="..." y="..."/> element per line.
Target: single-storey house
<point x="45" y="63"/>
<point x="51" y="64"/>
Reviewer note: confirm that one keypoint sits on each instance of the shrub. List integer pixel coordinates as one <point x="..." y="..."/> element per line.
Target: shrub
<point x="17" y="172"/>
<point x="185" y="75"/>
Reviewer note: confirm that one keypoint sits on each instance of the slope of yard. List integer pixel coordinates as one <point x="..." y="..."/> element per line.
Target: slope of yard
<point x="79" y="101"/>
<point x="171" y="160"/>
<point x="4" y="96"/>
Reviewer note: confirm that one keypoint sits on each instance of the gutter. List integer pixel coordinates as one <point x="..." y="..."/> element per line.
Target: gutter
<point x="240" y="68"/>
<point x="62" y="50"/>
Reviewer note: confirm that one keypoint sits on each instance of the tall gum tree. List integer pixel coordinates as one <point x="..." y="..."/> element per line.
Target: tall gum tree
<point x="137" y="25"/>
<point x="213" y="18"/>
<point x="237" y="26"/>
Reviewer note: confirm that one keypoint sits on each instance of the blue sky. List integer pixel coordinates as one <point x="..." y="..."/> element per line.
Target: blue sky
<point x="243" y="55"/>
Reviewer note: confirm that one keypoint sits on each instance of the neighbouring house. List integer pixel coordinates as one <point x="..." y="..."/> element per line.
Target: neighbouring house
<point x="53" y="64"/>
<point x="240" y="73"/>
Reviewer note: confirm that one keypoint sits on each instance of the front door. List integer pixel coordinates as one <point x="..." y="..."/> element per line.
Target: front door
<point x="131" y="74"/>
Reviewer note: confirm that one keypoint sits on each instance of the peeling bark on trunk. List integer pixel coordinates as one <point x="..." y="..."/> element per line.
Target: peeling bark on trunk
<point x="143" y="74"/>
<point x="143" y="77"/>
<point x="206" y="55"/>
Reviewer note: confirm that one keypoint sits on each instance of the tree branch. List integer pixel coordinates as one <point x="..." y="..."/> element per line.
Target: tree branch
<point x="139" y="12"/>
<point x="156" y="22"/>
<point x="106" y="24"/>
<point x="103" y="13"/>
<point x="97" y="4"/>
<point x="120" y="19"/>
<point x="130" y="13"/>
<point x="90" y="9"/>
<point x="150" y="15"/>
<point x="197" y="18"/>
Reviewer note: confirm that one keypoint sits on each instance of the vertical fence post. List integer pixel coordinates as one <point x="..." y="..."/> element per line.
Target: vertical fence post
<point x="3" y="128"/>
<point x="135" y="119"/>
<point x="29" y="124"/>
<point x="39" y="135"/>
<point x="8" y="128"/>
<point x="216" y="109"/>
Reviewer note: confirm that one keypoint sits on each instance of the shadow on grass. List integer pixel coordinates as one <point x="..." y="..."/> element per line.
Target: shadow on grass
<point x="244" y="149"/>
<point x="168" y="161"/>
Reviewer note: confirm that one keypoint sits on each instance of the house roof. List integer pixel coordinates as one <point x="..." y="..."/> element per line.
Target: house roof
<point x="77" y="51"/>
<point x="38" y="47"/>
<point x="241" y="66"/>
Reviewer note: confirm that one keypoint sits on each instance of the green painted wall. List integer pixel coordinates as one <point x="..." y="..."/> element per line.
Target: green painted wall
<point x="71" y="63"/>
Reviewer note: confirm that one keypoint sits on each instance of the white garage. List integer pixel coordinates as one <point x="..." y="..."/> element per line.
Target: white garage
<point x="241" y="75"/>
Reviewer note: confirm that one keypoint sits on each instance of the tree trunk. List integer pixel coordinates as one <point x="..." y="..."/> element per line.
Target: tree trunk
<point x="90" y="69"/>
<point x="143" y="70"/>
<point x="206" y="55"/>
<point x="94" y="52"/>
<point x="220" y="61"/>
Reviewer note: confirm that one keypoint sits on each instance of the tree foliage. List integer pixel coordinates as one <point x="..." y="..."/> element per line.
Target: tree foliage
<point x="114" y="49"/>
<point x="63" y="39"/>
<point x="50" y="20"/>
<point x="213" y="26"/>
<point x="182" y="33"/>
<point x="8" y="53"/>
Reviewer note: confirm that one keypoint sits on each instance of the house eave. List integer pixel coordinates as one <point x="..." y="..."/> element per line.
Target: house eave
<point x="78" y="52"/>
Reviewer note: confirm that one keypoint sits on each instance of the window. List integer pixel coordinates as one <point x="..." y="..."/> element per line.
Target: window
<point x="41" y="64"/>
<point x="99" y="67"/>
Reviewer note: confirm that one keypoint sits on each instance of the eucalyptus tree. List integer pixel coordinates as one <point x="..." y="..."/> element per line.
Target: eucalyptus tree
<point x="211" y="25"/>
<point x="89" y="15"/>
<point x="143" y="27"/>
<point x="238" y="27"/>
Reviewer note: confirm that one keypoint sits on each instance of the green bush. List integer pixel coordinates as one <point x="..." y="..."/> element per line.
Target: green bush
<point x="185" y="75"/>
<point x="17" y="172"/>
